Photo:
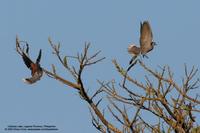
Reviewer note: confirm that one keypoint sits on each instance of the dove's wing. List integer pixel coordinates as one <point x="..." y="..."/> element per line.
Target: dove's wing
<point x="146" y="37"/>
<point x="27" y="60"/>
<point x="39" y="57"/>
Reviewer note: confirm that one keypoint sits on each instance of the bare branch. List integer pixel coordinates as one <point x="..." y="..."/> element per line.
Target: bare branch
<point x="176" y="112"/>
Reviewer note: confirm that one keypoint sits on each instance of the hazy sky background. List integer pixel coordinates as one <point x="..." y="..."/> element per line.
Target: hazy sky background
<point x="110" y="25"/>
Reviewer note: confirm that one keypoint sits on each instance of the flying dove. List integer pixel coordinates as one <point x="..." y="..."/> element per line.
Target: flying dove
<point x="146" y="42"/>
<point x="36" y="70"/>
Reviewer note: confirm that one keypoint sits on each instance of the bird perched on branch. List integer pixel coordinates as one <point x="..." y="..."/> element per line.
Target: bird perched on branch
<point x="36" y="70"/>
<point x="146" y="42"/>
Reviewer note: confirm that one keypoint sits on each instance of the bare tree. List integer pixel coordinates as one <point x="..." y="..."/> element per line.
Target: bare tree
<point x="173" y="105"/>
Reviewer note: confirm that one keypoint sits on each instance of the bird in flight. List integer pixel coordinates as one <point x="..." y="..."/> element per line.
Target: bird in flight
<point x="36" y="70"/>
<point x="146" y="42"/>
